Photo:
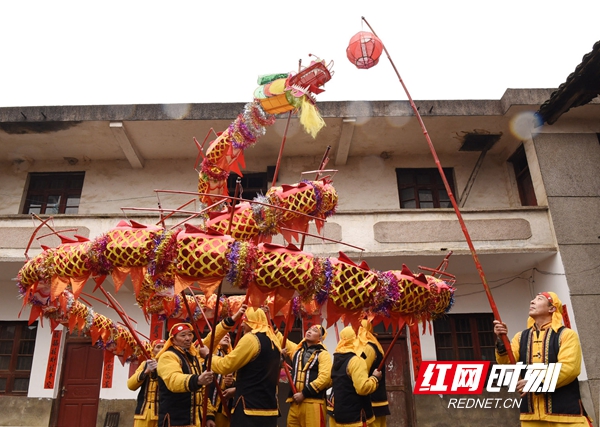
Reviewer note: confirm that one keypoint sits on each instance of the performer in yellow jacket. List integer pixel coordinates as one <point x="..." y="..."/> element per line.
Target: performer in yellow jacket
<point x="181" y="379"/>
<point x="546" y="341"/>
<point x="352" y="383"/>
<point x="311" y="374"/>
<point x="256" y="360"/>
<point x="146" y="410"/>
<point x="373" y="355"/>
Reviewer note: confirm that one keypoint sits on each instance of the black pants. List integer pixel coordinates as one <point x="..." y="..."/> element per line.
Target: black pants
<point x="240" y="419"/>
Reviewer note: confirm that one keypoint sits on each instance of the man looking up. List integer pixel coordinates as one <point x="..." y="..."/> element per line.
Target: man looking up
<point x="546" y="341"/>
<point x="311" y="375"/>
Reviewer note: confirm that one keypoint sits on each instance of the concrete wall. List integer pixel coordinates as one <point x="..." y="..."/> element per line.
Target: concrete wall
<point x="570" y="167"/>
<point x="368" y="181"/>
<point x="21" y="411"/>
<point x="108" y="185"/>
<point x="125" y="408"/>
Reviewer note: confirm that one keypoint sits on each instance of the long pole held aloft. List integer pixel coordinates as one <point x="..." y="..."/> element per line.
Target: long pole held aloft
<point x="117" y="307"/>
<point x="389" y="349"/>
<point x="201" y="344"/>
<point x="238" y="185"/>
<point x="452" y="200"/>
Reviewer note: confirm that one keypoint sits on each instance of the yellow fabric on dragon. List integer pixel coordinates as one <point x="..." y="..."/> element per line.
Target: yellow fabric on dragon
<point x="200" y="255"/>
<point x="352" y="286"/>
<point x="129" y="247"/>
<point x="72" y="260"/>
<point x="287" y="269"/>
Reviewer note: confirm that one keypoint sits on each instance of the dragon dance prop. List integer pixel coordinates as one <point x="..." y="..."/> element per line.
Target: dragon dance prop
<point x="277" y="93"/>
<point x="163" y="262"/>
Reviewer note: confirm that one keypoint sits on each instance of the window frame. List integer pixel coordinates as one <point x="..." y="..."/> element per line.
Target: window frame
<point x="44" y="193"/>
<point x="435" y="185"/>
<point x="523" y="177"/>
<point x="475" y="333"/>
<point x="248" y="182"/>
<point x="18" y="340"/>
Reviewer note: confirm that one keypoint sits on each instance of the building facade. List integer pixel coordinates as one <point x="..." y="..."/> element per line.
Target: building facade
<point x="529" y="193"/>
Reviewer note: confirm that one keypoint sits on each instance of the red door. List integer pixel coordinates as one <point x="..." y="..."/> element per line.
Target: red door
<point x="80" y="390"/>
<point x="397" y="381"/>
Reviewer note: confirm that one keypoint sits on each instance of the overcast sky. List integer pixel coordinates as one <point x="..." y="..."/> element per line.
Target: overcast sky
<point x="145" y="52"/>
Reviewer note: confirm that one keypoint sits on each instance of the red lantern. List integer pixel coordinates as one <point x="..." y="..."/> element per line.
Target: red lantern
<point x="364" y="49"/>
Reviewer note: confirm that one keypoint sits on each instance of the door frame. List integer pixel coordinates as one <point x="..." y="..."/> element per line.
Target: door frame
<point x="70" y="341"/>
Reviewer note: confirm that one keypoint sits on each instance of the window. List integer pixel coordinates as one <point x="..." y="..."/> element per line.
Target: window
<point x="253" y="184"/>
<point x="53" y="193"/>
<point x="524" y="182"/>
<point x="465" y="337"/>
<point x="17" y="341"/>
<point x="424" y="188"/>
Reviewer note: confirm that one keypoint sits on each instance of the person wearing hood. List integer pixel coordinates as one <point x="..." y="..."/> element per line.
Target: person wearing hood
<point x="256" y="361"/>
<point x="352" y="383"/>
<point x="311" y="375"/>
<point x="546" y="341"/>
<point x="181" y="379"/>
<point x="146" y="409"/>
<point x="373" y="355"/>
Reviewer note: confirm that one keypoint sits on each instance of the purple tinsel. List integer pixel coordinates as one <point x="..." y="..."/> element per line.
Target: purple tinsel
<point x="233" y="255"/>
<point x="104" y="345"/>
<point x="323" y="293"/>
<point x="99" y="264"/>
<point x="451" y="303"/>
<point x="388" y="293"/>
<point x="22" y="288"/>
<point x="165" y="244"/>
<point x="158" y="238"/>
<point x="296" y="307"/>
<point x="247" y="137"/>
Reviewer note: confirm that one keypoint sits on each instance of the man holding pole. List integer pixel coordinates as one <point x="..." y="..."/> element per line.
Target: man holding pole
<point x="546" y="341"/>
<point x="181" y="379"/>
<point x="311" y="376"/>
<point x="227" y="384"/>
<point x="146" y="409"/>
<point x="256" y="360"/>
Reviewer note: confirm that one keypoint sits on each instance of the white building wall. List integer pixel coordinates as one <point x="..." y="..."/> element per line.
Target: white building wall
<point x="369" y="182"/>
<point x="363" y="183"/>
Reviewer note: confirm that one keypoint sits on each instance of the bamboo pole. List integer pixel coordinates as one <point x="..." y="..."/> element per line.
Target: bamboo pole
<point x="452" y="200"/>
